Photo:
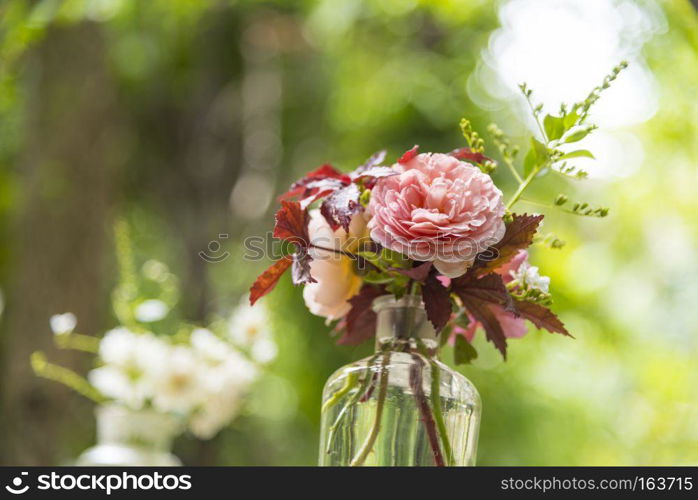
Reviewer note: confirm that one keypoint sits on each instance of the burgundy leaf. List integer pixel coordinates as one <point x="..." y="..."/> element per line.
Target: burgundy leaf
<point x="518" y="235"/>
<point x="437" y="302"/>
<point x="375" y="160"/>
<point x="320" y="182"/>
<point x="319" y="188"/>
<point x="468" y="154"/>
<point x="418" y="273"/>
<point x="489" y="289"/>
<point x="300" y="271"/>
<point x="292" y="223"/>
<point x="493" y="329"/>
<point x="266" y="281"/>
<point x="340" y="206"/>
<point x="541" y="316"/>
<point x="409" y="154"/>
<point x="376" y="173"/>
<point x="360" y="321"/>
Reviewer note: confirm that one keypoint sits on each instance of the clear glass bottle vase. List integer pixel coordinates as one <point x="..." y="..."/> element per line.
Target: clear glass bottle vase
<point x="132" y="438"/>
<point x="400" y="406"/>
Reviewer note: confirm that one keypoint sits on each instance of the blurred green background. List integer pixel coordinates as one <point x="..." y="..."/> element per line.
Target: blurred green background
<point x="188" y="117"/>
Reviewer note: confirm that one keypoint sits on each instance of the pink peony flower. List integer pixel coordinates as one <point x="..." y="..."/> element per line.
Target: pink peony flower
<point x="336" y="280"/>
<point x="438" y="209"/>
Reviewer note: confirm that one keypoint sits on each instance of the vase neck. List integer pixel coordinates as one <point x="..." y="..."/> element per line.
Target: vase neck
<point x="143" y="428"/>
<point x="402" y="325"/>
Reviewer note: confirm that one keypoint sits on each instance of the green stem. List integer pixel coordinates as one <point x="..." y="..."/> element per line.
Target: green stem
<point x="366" y="448"/>
<point x="522" y="187"/>
<point x="349" y="383"/>
<point x="65" y="376"/>
<point x="352" y="401"/>
<point x="77" y="341"/>
<point x="438" y="412"/>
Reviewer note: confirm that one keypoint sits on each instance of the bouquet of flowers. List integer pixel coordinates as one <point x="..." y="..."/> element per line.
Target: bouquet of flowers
<point x="434" y="227"/>
<point x="154" y="362"/>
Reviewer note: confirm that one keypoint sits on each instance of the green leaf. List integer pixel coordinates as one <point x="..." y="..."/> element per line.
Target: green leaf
<point x="537" y="155"/>
<point x="585" y="153"/>
<point x="445" y="334"/>
<point x="529" y="161"/>
<point x="377" y="278"/>
<point x="462" y="320"/>
<point x="578" y="135"/>
<point x="365" y="197"/>
<point x="395" y="259"/>
<point x="463" y="352"/>
<point x="570" y="120"/>
<point x="554" y="127"/>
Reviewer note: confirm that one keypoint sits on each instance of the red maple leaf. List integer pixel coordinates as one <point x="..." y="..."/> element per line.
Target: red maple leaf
<point x="468" y="154"/>
<point x="291" y="223"/>
<point x="266" y="281"/>
<point x="409" y="154"/>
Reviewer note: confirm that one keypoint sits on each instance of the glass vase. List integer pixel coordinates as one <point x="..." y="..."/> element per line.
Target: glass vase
<point x="132" y="438"/>
<point x="401" y="406"/>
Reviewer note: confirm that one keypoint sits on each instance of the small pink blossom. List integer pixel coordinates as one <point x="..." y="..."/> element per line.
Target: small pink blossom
<point x="513" y="265"/>
<point x="512" y="326"/>
<point x="437" y="209"/>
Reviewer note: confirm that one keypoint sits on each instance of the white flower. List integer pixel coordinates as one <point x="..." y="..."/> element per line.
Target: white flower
<point x="151" y="310"/>
<point x="63" y="323"/>
<point x="225" y="386"/>
<point x="132" y="361"/>
<point x="116" y="384"/>
<point x="249" y="329"/>
<point x="209" y="346"/>
<point x="528" y="277"/>
<point x="336" y="280"/>
<point x="176" y="384"/>
<point x="264" y="350"/>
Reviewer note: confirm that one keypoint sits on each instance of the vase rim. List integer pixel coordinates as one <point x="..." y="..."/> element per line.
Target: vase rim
<point x="388" y="301"/>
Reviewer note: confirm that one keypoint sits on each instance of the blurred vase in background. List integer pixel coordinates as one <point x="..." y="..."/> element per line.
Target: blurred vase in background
<point x="132" y="438"/>
<point x="400" y="406"/>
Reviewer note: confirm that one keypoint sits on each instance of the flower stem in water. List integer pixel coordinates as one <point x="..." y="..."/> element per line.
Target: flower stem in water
<point x="438" y="413"/>
<point x="366" y="448"/>
<point x="423" y="405"/>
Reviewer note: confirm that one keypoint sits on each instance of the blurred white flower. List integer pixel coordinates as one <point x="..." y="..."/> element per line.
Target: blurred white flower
<point x="132" y="362"/>
<point x="63" y="323"/>
<point x="176" y="385"/>
<point x="215" y="414"/>
<point x="225" y="386"/>
<point x="151" y="310"/>
<point x="204" y="381"/>
<point x="528" y="277"/>
<point x="209" y="346"/>
<point x="116" y="384"/>
<point x="249" y="329"/>
<point x="264" y="350"/>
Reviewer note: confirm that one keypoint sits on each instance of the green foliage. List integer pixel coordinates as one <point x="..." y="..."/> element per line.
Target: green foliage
<point x="463" y="351"/>
<point x="475" y="142"/>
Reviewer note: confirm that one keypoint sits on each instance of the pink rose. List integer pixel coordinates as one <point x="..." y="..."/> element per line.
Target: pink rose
<point x="438" y="209"/>
<point x="336" y="280"/>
